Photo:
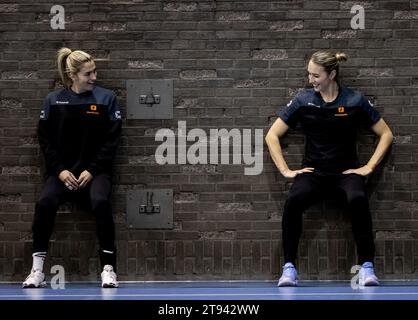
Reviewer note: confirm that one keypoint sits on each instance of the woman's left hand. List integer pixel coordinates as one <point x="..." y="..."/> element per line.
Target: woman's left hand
<point x="84" y="179"/>
<point x="362" y="171"/>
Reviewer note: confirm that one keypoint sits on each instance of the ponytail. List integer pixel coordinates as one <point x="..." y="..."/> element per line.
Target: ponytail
<point x="62" y="56"/>
<point x="340" y="56"/>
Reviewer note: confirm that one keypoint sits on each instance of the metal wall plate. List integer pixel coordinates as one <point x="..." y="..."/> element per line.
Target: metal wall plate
<point x="150" y="209"/>
<point x="149" y="99"/>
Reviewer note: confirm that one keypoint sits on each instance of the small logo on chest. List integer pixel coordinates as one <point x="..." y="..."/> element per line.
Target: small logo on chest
<point x="92" y="110"/>
<point x="341" y="112"/>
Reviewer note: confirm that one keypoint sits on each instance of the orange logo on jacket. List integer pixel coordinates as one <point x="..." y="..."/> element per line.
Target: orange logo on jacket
<point x="93" y="109"/>
<point x="341" y="112"/>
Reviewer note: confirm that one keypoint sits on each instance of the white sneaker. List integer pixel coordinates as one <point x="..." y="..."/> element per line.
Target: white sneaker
<point x="109" y="277"/>
<point x="367" y="277"/>
<point x="36" y="279"/>
<point x="289" y="276"/>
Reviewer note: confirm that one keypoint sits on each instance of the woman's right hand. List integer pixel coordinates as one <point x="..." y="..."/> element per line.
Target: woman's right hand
<point x="68" y="179"/>
<point x="293" y="173"/>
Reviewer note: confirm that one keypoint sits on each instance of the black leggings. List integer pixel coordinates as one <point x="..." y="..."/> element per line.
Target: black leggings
<point x="54" y="193"/>
<point x="309" y="188"/>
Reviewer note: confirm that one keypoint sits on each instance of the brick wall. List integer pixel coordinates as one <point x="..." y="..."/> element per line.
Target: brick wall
<point x="233" y="64"/>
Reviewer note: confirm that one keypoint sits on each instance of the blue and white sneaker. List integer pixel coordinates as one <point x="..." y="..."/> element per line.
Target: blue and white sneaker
<point x="289" y="276"/>
<point x="367" y="277"/>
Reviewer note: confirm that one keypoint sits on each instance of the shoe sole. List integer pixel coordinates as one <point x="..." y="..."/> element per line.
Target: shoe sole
<point x="288" y="284"/>
<point x="110" y="286"/>
<point x="371" y="284"/>
<point x="28" y="286"/>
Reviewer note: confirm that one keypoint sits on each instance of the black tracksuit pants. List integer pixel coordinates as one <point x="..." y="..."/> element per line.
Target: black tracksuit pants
<point x="309" y="188"/>
<point x="54" y="193"/>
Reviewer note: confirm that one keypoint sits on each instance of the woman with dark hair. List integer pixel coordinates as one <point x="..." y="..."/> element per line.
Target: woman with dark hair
<point x="330" y="116"/>
<point x="78" y="132"/>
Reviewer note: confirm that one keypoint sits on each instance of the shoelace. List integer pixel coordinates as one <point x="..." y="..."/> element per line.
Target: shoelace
<point x="288" y="271"/>
<point x="369" y="272"/>
<point x="111" y="275"/>
<point x="32" y="275"/>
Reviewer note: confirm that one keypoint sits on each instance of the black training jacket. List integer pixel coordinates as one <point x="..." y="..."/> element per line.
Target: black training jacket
<point x="330" y="127"/>
<point x="79" y="132"/>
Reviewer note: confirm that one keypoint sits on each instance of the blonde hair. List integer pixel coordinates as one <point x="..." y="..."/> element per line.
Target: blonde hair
<point x="330" y="61"/>
<point x="70" y="62"/>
